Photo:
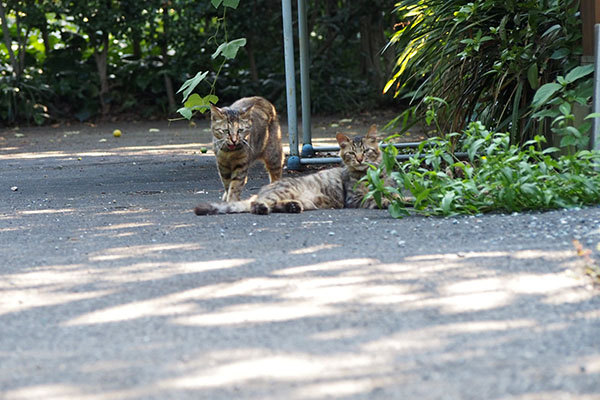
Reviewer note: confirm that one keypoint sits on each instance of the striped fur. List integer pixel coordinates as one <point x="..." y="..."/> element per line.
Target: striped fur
<point x="244" y="132"/>
<point x="330" y="188"/>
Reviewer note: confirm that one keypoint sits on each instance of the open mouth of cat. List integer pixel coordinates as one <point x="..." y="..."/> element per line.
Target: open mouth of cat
<point x="232" y="146"/>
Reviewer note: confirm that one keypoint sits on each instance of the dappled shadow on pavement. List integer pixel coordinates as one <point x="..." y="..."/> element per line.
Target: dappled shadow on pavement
<point x="163" y="321"/>
<point x="111" y="288"/>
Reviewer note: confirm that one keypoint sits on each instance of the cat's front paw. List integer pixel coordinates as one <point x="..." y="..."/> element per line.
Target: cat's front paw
<point x="259" y="208"/>
<point x="293" y="207"/>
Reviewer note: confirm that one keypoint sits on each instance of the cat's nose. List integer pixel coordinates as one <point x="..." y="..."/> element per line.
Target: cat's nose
<point x="359" y="159"/>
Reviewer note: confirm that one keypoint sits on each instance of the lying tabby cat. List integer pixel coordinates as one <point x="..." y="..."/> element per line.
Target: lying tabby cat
<point x="330" y="188"/>
<point x="244" y="132"/>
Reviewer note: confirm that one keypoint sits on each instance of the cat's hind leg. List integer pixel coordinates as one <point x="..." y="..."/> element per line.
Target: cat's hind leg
<point x="273" y="154"/>
<point x="274" y="166"/>
<point x="288" y="206"/>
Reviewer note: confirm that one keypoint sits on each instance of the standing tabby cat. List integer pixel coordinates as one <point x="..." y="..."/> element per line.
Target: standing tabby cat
<point x="330" y="188"/>
<point x="244" y="132"/>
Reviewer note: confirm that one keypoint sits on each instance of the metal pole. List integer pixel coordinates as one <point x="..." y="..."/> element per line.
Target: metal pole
<point x="290" y="84"/>
<point x="595" y="136"/>
<point x="303" y="41"/>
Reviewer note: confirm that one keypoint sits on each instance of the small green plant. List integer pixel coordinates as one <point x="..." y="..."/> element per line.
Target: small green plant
<point x="493" y="175"/>
<point x="22" y="98"/>
<point x="227" y="50"/>
<point x="555" y="101"/>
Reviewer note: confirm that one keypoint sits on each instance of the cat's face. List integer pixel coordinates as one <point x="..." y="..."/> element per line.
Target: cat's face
<point x="360" y="152"/>
<point x="230" y="127"/>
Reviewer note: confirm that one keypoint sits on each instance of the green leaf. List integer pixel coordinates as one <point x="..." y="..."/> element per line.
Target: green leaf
<point x="545" y="113"/>
<point x="216" y="3"/>
<point x="212" y="99"/>
<point x="565" y="108"/>
<point x="592" y="115"/>
<point x="447" y="202"/>
<point x="194" y="100"/>
<point x="560" y="54"/>
<point x="229" y="49"/>
<point x="231" y="3"/>
<point x="202" y="104"/>
<point x="421" y="196"/>
<point x="530" y="189"/>
<point x="544" y="93"/>
<point x="553" y="28"/>
<point x="567" y="141"/>
<point x="574" y="131"/>
<point x="389" y="158"/>
<point x="532" y="76"/>
<point x="185" y="112"/>
<point x="579" y="72"/>
<point x="397" y="211"/>
<point x="189" y="85"/>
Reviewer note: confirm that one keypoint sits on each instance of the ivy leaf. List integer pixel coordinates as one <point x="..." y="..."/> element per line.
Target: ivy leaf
<point x="231" y="3"/>
<point x="185" y="112"/>
<point x="229" y="49"/>
<point x="202" y="104"/>
<point x="194" y="100"/>
<point x="216" y="3"/>
<point x="189" y="85"/>
<point x="211" y="98"/>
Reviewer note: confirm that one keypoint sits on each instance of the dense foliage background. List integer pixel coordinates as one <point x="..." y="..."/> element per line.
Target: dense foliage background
<point x="485" y="60"/>
<point x="86" y="59"/>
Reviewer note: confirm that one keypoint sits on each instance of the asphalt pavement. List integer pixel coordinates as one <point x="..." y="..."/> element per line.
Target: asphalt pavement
<point x="111" y="288"/>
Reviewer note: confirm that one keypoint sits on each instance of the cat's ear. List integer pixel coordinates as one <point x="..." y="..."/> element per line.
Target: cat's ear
<point x="372" y="134"/>
<point x="342" y="140"/>
<point x="246" y="113"/>
<point x="216" y="112"/>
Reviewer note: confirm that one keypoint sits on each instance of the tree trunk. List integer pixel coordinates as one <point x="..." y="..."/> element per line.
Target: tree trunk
<point x="165" y="55"/>
<point x="372" y="40"/>
<point x="251" y="59"/>
<point x="250" y="47"/>
<point x="8" y="40"/>
<point x="101" y="58"/>
<point x="46" y="37"/>
<point x="137" y="47"/>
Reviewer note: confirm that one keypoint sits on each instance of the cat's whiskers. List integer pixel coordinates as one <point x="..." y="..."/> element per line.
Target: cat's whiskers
<point x="219" y="144"/>
<point x="245" y="142"/>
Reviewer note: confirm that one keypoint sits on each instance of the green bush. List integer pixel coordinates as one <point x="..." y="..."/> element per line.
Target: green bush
<point x="485" y="58"/>
<point x="493" y="175"/>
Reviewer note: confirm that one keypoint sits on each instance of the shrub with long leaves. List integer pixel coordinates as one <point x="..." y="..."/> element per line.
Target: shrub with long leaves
<point x="494" y="176"/>
<point x="485" y="58"/>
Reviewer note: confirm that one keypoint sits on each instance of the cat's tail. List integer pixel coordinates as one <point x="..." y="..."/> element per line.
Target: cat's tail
<point x="233" y="207"/>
